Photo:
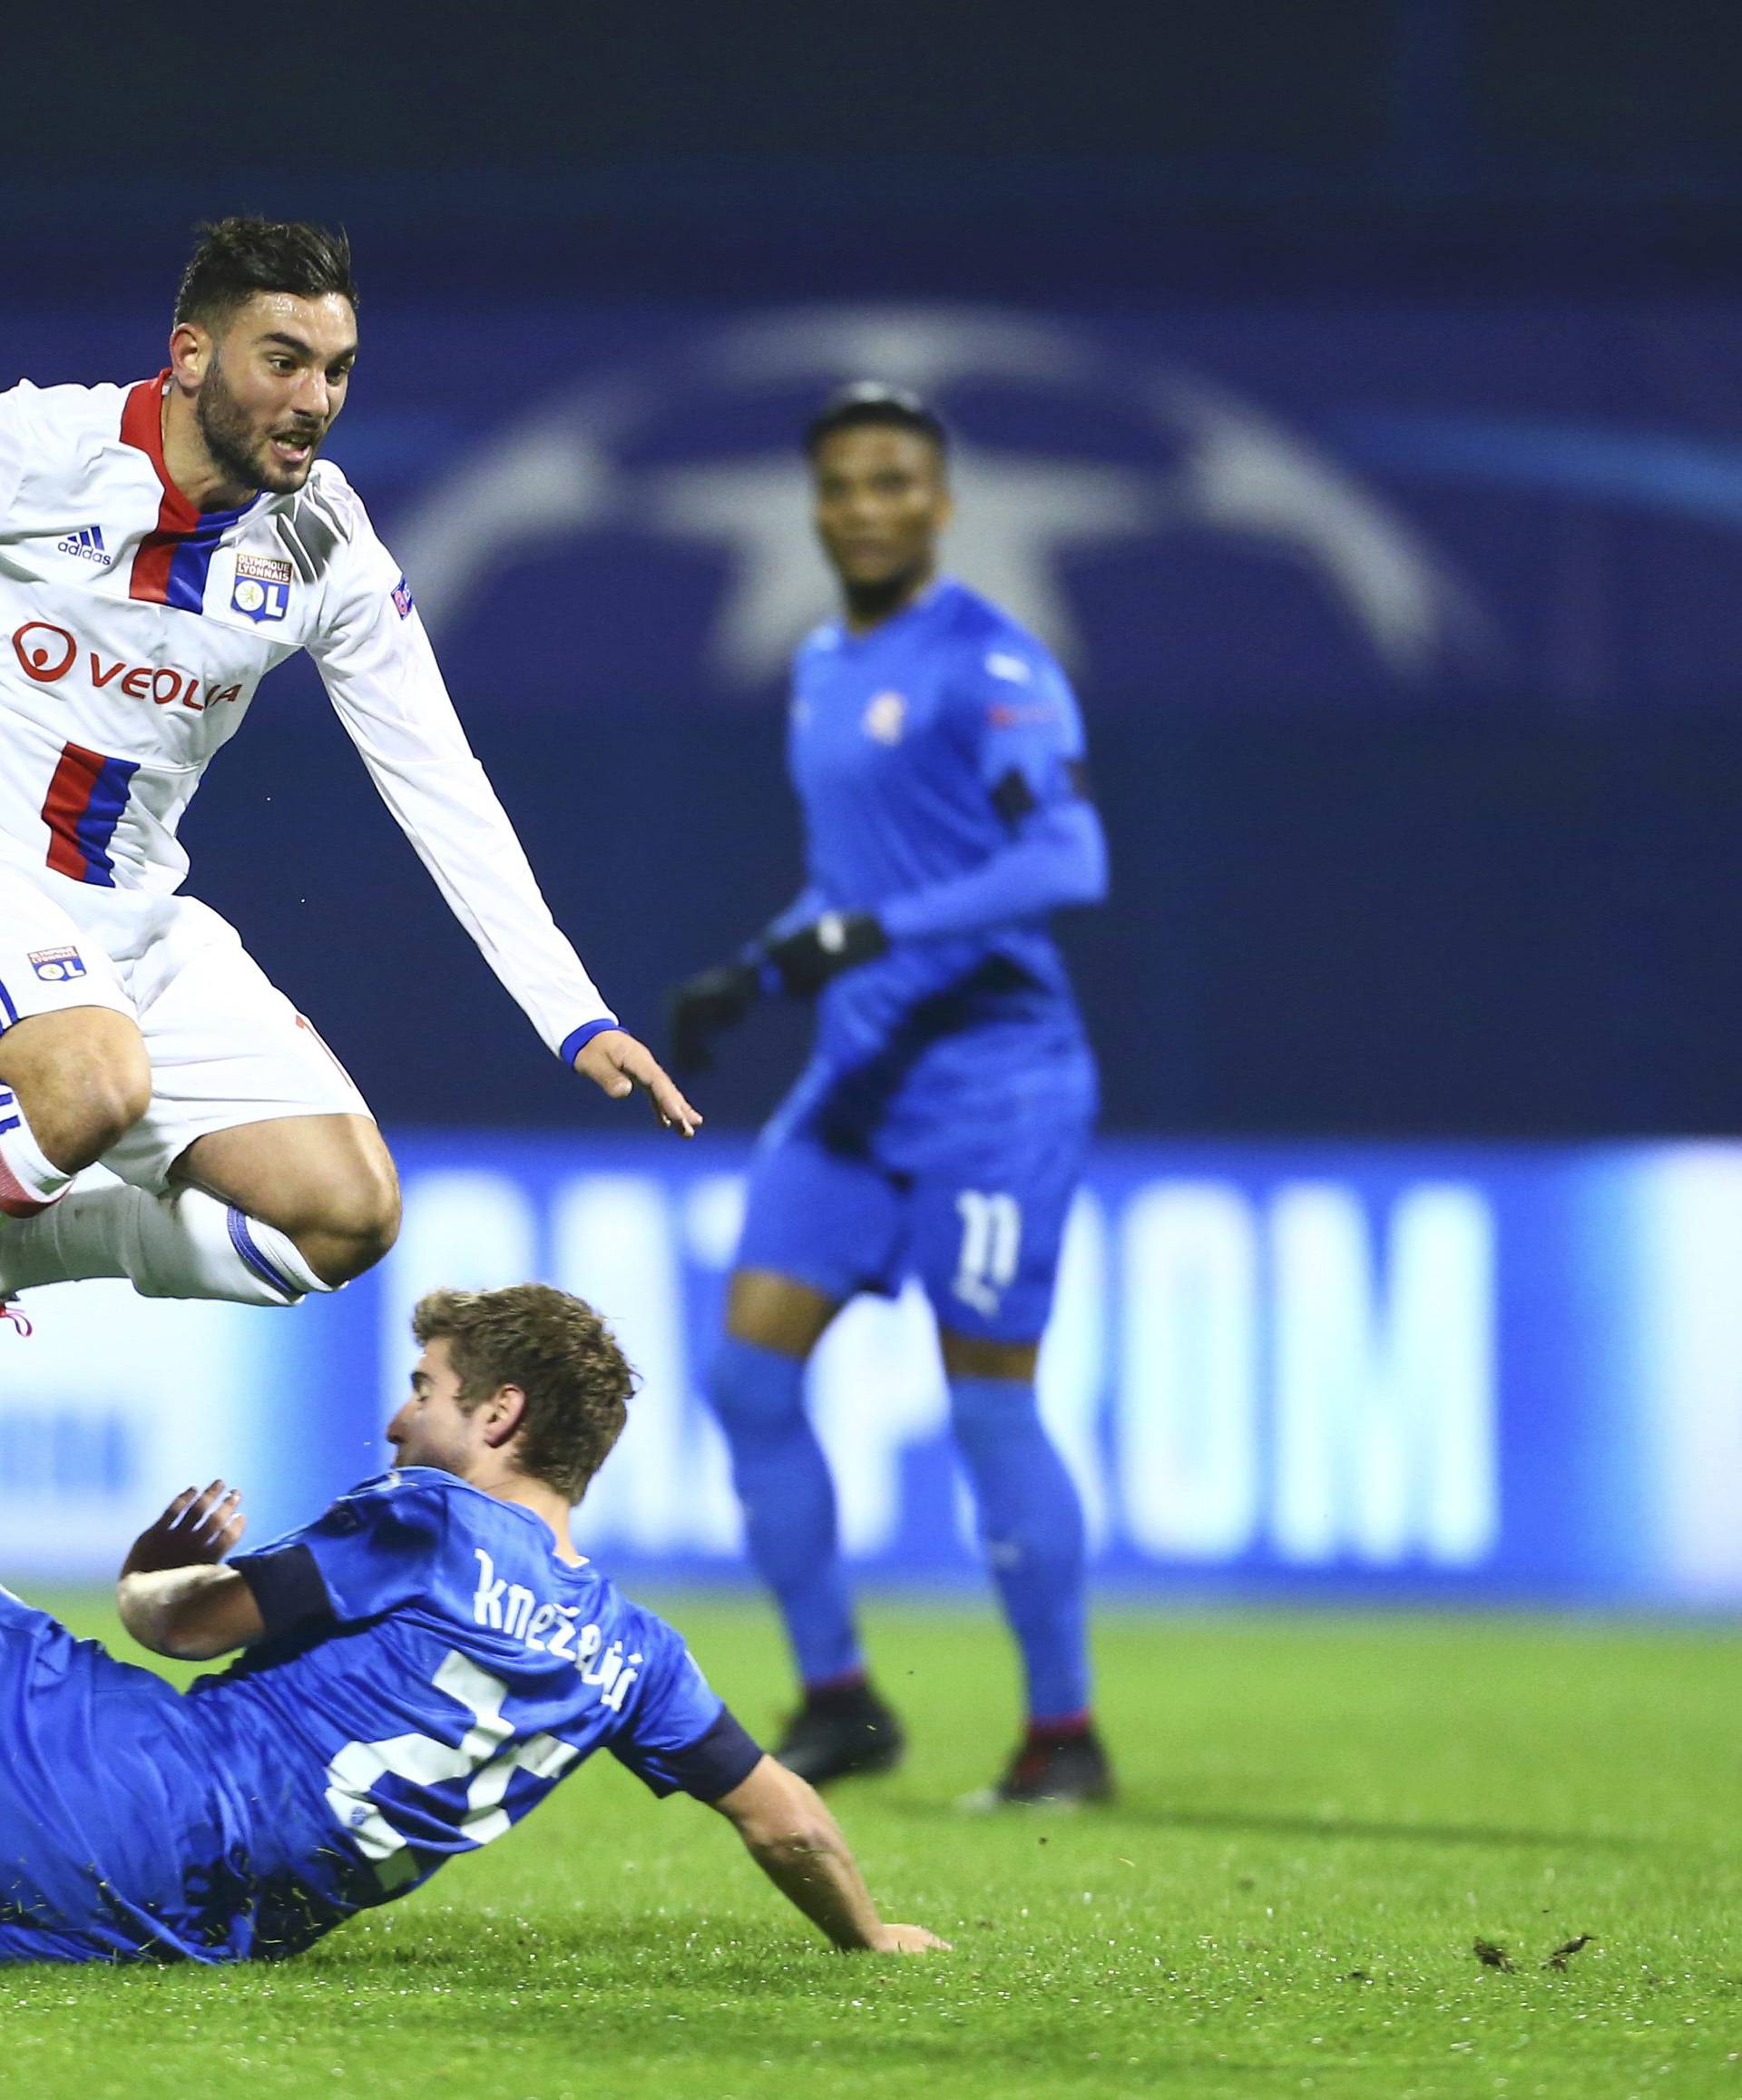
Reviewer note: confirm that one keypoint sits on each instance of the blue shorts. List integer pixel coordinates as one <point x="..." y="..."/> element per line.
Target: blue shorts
<point x="978" y="1217"/>
<point x="91" y="1829"/>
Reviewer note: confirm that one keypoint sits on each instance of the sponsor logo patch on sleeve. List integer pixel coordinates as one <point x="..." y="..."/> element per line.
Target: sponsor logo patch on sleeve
<point x="1031" y="714"/>
<point x="56" y="965"/>
<point x="403" y="601"/>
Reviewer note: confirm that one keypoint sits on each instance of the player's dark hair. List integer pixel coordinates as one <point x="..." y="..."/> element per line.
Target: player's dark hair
<point x="559" y="1352"/>
<point x="869" y="401"/>
<point x="238" y="257"/>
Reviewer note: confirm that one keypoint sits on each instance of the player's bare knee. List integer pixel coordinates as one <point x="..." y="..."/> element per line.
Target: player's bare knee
<point x="776" y="1313"/>
<point x="113" y="1103"/>
<point x="82" y="1078"/>
<point x="973" y="1355"/>
<point x="358" y="1225"/>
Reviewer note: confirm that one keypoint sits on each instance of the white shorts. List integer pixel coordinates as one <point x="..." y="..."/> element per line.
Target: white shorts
<point x="226" y="1047"/>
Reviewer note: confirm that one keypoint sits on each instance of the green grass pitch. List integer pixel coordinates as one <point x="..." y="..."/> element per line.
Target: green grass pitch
<point x="1321" y="1816"/>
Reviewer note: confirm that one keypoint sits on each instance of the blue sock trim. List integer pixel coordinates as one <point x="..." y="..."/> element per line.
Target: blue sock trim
<point x="249" y="1248"/>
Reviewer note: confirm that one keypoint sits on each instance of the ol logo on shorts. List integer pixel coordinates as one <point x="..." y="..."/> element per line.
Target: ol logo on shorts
<point x="56" y="966"/>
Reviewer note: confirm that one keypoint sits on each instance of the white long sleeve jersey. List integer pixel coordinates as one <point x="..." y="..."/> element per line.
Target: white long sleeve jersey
<point x="134" y="630"/>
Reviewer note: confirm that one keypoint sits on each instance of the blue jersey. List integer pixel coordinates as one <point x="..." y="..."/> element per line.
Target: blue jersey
<point x="919" y="752"/>
<point x="432" y="1671"/>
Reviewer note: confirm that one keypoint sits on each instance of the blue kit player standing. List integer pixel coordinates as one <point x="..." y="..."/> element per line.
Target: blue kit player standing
<point x="940" y="1126"/>
<point x="422" y="1667"/>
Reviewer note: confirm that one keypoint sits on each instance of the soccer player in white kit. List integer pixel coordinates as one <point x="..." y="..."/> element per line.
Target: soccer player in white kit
<point x="162" y="545"/>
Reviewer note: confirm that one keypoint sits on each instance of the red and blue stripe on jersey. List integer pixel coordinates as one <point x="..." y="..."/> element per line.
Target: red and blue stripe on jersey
<point x="89" y="791"/>
<point x="172" y="563"/>
<point x="81" y="809"/>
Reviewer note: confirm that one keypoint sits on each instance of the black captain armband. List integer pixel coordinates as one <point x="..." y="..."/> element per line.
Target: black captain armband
<point x="1014" y="798"/>
<point x="707" y="1769"/>
<point x="288" y="1588"/>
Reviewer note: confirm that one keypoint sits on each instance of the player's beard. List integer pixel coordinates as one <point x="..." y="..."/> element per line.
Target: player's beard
<point x="237" y="445"/>
<point x="870" y="602"/>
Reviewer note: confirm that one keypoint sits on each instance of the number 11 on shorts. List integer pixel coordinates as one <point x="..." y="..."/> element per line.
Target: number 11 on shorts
<point x="991" y="1241"/>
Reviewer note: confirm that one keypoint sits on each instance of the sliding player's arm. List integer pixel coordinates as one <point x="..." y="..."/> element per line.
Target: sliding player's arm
<point x="370" y="1553"/>
<point x="679" y="1737"/>
<point x="173" y="1595"/>
<point x="382" y="677"/>
<point x="799" y="1845"/>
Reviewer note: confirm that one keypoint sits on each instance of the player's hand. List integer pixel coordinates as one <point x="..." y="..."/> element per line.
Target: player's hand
<point x="908" y="1939"/>
<point x="198" y="1529"/>
<point x="615" y="1061"/>
<point x="838" y="941"/>
<point x="706" y="1005"/>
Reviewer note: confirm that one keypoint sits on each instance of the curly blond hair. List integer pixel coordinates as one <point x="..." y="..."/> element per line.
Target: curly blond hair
<point x="561" y="1354"/>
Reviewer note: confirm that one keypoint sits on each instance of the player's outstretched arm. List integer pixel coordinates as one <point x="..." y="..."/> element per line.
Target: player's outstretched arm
<point x="173" y="1595"/>
<point x="615" y="1061"/>
<point x="799" y="1845"/>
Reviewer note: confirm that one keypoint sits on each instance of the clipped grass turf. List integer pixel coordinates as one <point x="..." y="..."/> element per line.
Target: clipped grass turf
<point x="1321" y="1815"/>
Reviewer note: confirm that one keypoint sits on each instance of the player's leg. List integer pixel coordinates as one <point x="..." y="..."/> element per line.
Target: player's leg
<point x="817" y="1229"/>
<point x="74" y="1069"/>
<point x="987" y="1245"/>
<point x="757" y="1389"/>
<point x="256" y="1173"/>
<point x="1031" y="1521"/>
<point x="71" y="1084"/>
<point x="327" y="1183"/>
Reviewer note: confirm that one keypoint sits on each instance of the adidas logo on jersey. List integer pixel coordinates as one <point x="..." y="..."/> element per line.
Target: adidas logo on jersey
<point x="86" y="545"/>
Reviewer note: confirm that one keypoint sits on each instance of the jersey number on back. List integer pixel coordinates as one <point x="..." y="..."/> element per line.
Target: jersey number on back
<point x="424" y="1761"/>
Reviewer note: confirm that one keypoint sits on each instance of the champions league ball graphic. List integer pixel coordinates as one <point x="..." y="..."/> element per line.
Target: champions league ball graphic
<point x="1151" y="525"/>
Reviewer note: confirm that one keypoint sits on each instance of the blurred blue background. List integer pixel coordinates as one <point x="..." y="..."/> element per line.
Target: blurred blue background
<point x="1350" y="391"/>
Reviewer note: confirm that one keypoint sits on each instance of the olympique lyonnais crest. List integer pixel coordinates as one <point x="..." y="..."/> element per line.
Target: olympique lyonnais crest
<point x="262" y="587"/>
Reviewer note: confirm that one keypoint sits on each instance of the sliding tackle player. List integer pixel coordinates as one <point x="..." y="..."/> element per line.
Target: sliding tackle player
<point x="420" y="1668"/>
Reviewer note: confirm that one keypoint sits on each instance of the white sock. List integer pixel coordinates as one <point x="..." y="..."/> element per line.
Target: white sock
<point x="29" y="1179"/>
<point x="185" y="1244"/>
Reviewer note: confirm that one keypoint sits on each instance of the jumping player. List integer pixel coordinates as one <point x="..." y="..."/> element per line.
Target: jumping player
<point x="421" y="1666"/>
<point x="940" y="1126"/>
<point x="161" y="547"/>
